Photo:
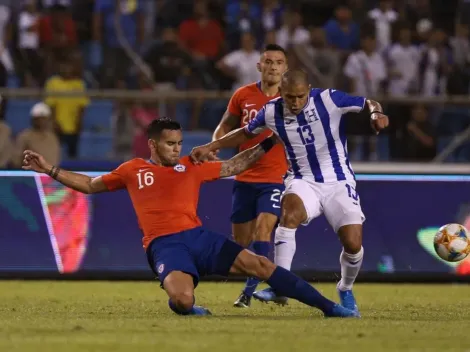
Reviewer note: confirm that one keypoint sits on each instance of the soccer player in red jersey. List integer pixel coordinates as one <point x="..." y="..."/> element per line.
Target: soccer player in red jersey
<point x="164" y="191"/>
<point x="257" y="192"/>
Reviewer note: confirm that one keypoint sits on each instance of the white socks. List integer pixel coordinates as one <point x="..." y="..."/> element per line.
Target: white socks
<point x="284" y="247"/>
<point x="350" y="267"/>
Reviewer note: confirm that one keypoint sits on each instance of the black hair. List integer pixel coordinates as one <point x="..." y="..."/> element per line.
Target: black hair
<point x="274" y="47"/>
<point x="156" y="127"/>
<point x="295" y="76"/>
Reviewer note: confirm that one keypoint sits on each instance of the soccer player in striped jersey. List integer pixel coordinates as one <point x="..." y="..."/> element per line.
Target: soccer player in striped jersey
<point x="309" y="122"/>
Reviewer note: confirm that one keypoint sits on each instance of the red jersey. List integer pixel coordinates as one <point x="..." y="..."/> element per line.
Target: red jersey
<point x="164" y="198"/>
<point x="246" y="102"/>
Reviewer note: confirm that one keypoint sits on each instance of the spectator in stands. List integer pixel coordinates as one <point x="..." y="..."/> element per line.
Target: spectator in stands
<point x="419" y="14"/>
<point x="242" y="16"/>
<point x="358" y="10"/>
<point x="201" y="35"/>
<point x="458" y="81"/>
<point x="6" y="147"/>
<point x="420" y="139"/>
<point x="383" y="16"/>
<point x="142" y="114"/>
<point x="40" y="137"/>
<point x="203" y="39"/>
<point x="50" y="3"/>
<point x="58" y="36"/>
<point x="241" y="65"/>
<point x="67" y="112"/>
<point x="28" y="45"/>
<point x="433" y="66"/>
<point x="82" y="12"/>
<point x="402" y="61"/>
<point x="367" y="72"/>
<point x="118" y="25"/>
<point x="6" y="62"/>
<point x="366" y="69"/>
<point x="321" y="61"/>
<point x="342" y="32"/>
<point x="292" y="32"/>
<point x="272" y="15"/>
<point x="460" y="44"/>
<point x="168" y="61"/>
<point x="270" y="37"/>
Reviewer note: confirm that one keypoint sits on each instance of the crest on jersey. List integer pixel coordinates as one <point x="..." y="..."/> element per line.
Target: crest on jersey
<point x="160" y="269"/>
<point x="180" y="168"/>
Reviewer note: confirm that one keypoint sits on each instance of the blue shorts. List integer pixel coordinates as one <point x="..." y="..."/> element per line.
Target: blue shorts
<point x="251" y="199"/>
<point x="197" y="252"/>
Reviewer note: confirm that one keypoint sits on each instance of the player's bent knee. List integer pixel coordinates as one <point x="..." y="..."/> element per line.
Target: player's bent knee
<point x="183" y="301"/>
<point x="263" y="268"/>
<point x="250" y="264"/>
<point x="291" y="220"/>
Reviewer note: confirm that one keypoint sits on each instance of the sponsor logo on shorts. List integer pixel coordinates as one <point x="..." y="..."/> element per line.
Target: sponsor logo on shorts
<point x="160" y="269"/>
<point x="180" y="168"/>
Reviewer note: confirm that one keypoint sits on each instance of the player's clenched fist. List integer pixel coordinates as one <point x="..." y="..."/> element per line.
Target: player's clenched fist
<point x="34" y="161"/>
<point x="379" y="121"/>
<point x="200" y="154"/>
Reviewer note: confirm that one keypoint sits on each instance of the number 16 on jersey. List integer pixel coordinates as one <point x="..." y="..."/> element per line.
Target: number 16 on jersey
<point x="145" y="179"/>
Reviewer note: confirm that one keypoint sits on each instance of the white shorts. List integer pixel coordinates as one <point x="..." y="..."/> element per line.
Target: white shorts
<point x="338" y="201"/>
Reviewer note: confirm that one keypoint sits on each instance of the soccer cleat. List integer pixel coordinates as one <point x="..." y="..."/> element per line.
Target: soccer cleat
<point x="347" y="300"/>
<point x="268" y="295"/>
<point x="339" y="311"/>
<point x="243" y="301"/>
<point x="198" y="310"/>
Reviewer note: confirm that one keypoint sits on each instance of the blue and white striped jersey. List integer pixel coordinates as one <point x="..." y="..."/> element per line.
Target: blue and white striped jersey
<point x="315" y="139"/>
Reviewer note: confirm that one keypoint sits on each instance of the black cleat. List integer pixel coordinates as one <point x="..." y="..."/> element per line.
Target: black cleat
<point x="243" y="301"/>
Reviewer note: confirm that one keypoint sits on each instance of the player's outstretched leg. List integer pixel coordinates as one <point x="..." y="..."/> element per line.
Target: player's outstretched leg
<point x="287" y="284"/>
<point x="351" y="262"/>
<point x="180" y="288"/>
<point x="265" y="223"/>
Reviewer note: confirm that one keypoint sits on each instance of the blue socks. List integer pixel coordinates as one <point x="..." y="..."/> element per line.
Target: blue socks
<point x="260" y="248"/>
<point x="289" y="285"/>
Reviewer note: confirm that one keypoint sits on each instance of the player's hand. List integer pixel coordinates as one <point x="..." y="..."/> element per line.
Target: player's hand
<point x="378" y="121"/>
<point x="35" y="162"/>
<point x="213" y="156"/>
<point x="200" y="154"/>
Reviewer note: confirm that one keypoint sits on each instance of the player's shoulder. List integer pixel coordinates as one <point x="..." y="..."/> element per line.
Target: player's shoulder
<point x="133" y="164"/>
<point x="185" y="164"/>
<point x="315" y="92"/>
<point x="248" y="90"/>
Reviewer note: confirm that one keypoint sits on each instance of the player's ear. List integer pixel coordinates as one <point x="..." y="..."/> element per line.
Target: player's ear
<point x="258" y="66"/>
<point x="151" y="144"/>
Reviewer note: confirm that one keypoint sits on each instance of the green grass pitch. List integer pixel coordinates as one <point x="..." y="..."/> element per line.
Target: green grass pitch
<point x="130" y="316"/>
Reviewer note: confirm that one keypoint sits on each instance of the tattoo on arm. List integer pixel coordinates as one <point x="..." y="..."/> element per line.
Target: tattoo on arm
<point x="241" y="161"/>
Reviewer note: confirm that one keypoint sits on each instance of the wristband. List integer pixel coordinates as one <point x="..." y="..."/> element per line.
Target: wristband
<point x="375" y="112"/>
<point x="51" y="171"/>
<point x="267" y="144"/>
<point x="57" y="170"/>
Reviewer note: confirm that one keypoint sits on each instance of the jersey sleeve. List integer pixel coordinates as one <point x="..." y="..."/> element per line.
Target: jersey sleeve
<point x="116" y="179"/>
<point x="234" y="104"/>
<point x="258" y="124"/>
<point x="346" y="102"/>
<point x="210" y="171"/>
